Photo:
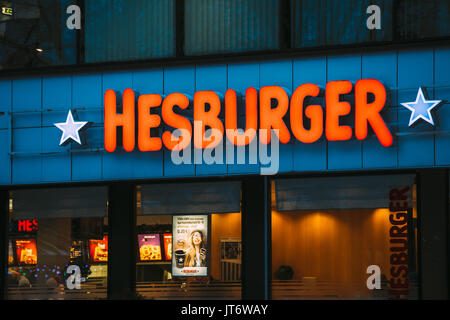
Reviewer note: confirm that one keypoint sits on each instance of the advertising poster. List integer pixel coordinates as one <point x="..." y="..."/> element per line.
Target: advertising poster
<point x="26" y="251"/>
<point x="190" y="239"/>
<point x="10" y="254"/>
<point x="149" y="247"/>
<point x="99" y="250"/>
<point x="167" y="246"/>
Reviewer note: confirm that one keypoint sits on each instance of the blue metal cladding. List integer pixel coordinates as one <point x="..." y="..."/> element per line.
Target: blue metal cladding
<point x="29" y="142"/>
<point x="118" y="30"/>
<point x="218" y="26"/>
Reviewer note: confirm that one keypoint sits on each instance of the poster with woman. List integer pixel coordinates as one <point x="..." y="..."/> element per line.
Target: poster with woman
<point x="190" y="239"/>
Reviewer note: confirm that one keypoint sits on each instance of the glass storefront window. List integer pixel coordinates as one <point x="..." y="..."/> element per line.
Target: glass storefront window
<point x="58" y="244"/>
<point x="422" y="19"/>
<point x="34" y="34"/>
<point x="127" y="30"/>
<point x="220" y="26"/>
<point x="344" y="238"/>
<point x="188" y="241"/>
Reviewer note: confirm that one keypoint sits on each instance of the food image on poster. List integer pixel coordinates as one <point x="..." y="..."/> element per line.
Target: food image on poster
<point x="149" y="247"/>
<point x="190" y="239"/>
<point x="26" y="251"/>
<point x="98" y="250"/>
<point x="167" y="246"/>
<point x="10" y="253"/>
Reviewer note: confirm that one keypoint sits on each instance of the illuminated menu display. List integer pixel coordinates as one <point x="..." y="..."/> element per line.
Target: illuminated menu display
<point x="149" y="247"/>
<point x="98" y="250"/>
<point x="26" y="251"/>
<point x="10" y="253"/>
<point x="190" y="238"/>
<point x="167" y="246"/>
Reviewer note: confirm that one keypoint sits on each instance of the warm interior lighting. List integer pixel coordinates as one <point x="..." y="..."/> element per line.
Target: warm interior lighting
<point x="326" y="244"/>
<point x="39" y="50"/>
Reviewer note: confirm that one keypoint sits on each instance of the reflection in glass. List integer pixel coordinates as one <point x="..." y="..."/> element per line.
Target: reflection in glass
<point x="57" y="258"/>
<point x="220" y="253"/>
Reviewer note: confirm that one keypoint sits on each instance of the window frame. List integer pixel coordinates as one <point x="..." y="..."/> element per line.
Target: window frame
<point x="294" y="176"/>
<point x="286" y="47"/>
<point x="247" y="230"/>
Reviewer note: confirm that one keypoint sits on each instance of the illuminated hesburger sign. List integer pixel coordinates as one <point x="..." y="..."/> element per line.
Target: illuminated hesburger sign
<point x="264" y="110"/>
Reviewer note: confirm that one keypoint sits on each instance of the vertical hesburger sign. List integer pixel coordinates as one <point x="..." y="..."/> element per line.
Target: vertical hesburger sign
<point x="399" y="205"/>
<point x="190" y="243"/>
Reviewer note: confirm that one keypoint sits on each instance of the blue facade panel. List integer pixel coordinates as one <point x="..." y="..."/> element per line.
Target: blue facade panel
<point x="415" y="68"/>
<point x="442" y="137"/>
<point x="147" y="81"/>
<point x="56" y="158"/>
<point x="212" y="78"/>
<point x="148" y="164"/>
<point x="37" y="103"/>
<point x="179" y="80"/>
<point x="87" y="167"/>
<point x="442" y="65"/>
<point x="345" y="154"/>
<point x="240" y="77"/>
<point x="380" y="66"/>
<point x="5" y="103"/>
<point x="5" y="161"/>
<point x="442" y="92"/>
<point x="310" y="157"/>
<point x="56" y="99"/>
<point x="279" y="73"/>
<point x="383" y="67"/>
<point x="27" y="102"/>
<point x="87" y="97"/>
<point x="27" y="163"/>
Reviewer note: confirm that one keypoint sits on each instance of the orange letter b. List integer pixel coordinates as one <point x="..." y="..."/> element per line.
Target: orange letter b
<point x="207" y="118"/>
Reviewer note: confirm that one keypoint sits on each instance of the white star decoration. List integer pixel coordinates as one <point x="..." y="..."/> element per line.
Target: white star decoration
<point x="421" y="108"/>
<point x="70" y="129"/>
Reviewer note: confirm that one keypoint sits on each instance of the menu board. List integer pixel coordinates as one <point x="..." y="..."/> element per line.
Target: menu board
<point x="26" y="251"/>
<point x="98" y="250"/>
<point x="167" y="246"/>
<point x="149" y="247"/>
<point x="190" y="238"/>
<point x="76" y="250"/>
